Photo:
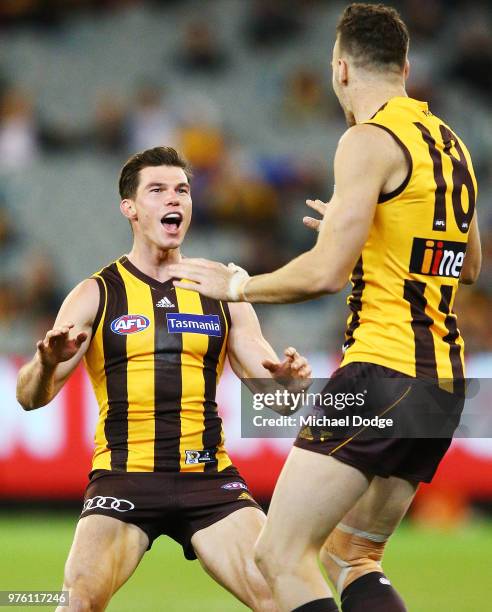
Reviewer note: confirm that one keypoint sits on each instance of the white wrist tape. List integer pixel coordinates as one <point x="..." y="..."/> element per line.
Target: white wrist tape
<point x="237" y="283"/>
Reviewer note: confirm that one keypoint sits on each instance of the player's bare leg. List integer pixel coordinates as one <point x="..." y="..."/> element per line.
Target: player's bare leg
<point x="355" y="547"/>
<point x="313" y="493"/>
<point x="226" y="552"/>
<point x="104" y="554"/>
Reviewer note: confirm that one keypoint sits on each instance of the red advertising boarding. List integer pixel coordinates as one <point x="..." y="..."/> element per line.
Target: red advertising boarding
<point x="46" y="453"/>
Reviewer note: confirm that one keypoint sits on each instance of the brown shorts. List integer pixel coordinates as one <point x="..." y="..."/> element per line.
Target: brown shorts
<point x="414" y="458"/>
<point x="173" y="504"/>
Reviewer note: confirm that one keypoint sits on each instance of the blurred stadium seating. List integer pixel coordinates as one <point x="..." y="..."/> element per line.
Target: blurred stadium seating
<point x="249" y="101"/>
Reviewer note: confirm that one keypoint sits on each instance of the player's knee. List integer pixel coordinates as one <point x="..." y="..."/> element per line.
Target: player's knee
<point x="347" y="556"/>
<point x="274" y="560"/>
<point x="261" y="599"/>
<point x="271" y="560"/>
<point x="85" y="595"/>
<point x="265" y="604"/>
<point x="85" y="601"/>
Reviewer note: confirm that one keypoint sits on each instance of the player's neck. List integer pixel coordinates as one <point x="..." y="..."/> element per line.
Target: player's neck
<point x="367" y="100"/>
<point x="153" y="262"/>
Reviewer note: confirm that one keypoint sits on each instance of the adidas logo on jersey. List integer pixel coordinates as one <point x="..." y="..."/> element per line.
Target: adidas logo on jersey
<point x="165" y="303"/>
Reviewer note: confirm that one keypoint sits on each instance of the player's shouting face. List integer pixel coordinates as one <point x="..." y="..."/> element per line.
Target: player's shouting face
<point x="160" y="212"/>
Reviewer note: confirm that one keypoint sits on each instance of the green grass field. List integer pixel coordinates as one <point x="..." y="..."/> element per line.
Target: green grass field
<point x="434" y="571"/>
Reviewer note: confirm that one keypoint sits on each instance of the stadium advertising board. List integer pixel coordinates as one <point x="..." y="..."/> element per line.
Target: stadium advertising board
<point x="46" y="454"/>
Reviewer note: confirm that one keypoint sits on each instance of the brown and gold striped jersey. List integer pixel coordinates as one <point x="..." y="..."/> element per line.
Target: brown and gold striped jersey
<point x="405" y="281"/>
<point x="154" y="361"/>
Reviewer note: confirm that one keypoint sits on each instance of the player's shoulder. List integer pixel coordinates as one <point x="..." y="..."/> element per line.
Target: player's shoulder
<point x="93" y="287"/>
<point x="367" y="146"/>
<point x="242" y="314"/>
<point x="81" y="304"/>
<point x="86" y="291"/>
<point x="366" y="136"/>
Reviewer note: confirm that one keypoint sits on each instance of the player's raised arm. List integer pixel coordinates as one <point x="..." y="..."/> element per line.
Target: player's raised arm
<point x="251" y="355"/>
<point x="61" y="350"/>
<point x="365" y="161"/>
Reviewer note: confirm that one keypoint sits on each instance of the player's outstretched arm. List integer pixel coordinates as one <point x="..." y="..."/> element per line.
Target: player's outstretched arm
<point x="365" y="159"/>
<point x="59" y="353"/>
<point x="251" y="355"/>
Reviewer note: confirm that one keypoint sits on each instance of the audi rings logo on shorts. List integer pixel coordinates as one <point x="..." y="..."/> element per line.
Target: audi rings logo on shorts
<point x="107" y="503"/>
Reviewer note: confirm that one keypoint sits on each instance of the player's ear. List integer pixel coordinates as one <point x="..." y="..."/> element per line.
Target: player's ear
<point x="128" y="209"/>
<point x="406" y="70"/>
<point x="342" y="69"/>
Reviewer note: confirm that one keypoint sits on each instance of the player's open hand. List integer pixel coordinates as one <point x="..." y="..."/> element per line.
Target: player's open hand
<point x="58" y="345"/>
<point x="210" y="278"/>
<point x="294" y="372"/>
<point x="319" y="207"/>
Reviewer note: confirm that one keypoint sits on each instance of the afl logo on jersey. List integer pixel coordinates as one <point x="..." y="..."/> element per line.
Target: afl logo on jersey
<point x="129" y="324"/>
<point x="234" y="486"/>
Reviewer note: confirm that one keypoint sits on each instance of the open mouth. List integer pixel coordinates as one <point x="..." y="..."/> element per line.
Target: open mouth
<point x="171" y="222"/>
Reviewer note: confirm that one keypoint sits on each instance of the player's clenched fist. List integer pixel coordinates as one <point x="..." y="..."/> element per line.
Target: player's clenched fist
<point x="59" y="346"/>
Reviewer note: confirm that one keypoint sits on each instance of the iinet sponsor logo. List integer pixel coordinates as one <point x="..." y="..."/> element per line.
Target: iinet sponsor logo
<point x="437" y="257"/>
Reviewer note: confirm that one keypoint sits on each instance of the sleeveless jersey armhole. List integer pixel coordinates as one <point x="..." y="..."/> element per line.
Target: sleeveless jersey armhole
<point x="227" y="314"/>
<point x="386" y="197"/>
<point x="102" y="304"/>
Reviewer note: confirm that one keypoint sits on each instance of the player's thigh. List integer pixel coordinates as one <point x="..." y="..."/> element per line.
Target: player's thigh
<point x="104" y="554"/>
<point x="382" y="507"/>
<point x="313" y="493"/>
<point x="226" y="551"/>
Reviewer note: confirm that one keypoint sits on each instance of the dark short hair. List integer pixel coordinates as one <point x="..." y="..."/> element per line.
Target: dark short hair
<point x="158" y="156"/>
<point x="374" y="35"/>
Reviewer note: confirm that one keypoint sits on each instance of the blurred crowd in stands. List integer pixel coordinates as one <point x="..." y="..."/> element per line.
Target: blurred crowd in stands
<point x="236" y="186"/>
